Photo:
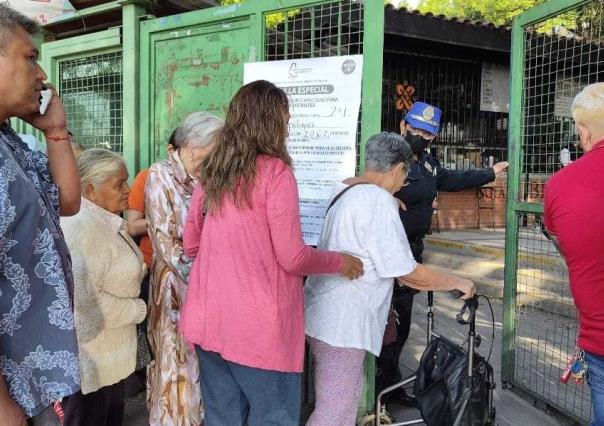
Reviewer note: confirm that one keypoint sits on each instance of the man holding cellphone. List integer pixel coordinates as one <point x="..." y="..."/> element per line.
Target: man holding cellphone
<point x="38" y="355"/>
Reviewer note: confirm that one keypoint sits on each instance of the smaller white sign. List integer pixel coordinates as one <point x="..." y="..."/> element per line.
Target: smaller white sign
<point x="44" y="11"/>
<point x="495" y="88"/>
<point x="566" y="90"/>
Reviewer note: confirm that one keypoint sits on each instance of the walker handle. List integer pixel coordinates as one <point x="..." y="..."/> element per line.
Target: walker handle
<point x="456" y="294"/>
<point x="471" y="305"/>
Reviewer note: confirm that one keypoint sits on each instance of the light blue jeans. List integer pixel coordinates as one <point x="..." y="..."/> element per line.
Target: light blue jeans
<point x="595" y="380"/>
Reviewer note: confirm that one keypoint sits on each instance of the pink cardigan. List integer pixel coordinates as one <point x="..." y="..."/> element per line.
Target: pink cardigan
<point x="245" y="299"/>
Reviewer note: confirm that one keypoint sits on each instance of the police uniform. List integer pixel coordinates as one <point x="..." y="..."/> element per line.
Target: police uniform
<point x="425" y="177"/>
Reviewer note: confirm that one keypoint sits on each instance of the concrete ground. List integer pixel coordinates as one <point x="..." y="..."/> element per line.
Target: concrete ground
<point x="512" y="409"/>
<point x="483" y="237"/>
<point x="477" y="255"/>
<point x="135" y="412"/>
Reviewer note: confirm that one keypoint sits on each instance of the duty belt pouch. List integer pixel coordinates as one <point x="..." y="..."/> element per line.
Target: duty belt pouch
<point x="391" y="331"/>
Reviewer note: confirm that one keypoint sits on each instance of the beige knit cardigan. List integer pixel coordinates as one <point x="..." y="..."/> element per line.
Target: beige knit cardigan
<point x="108" y="269"/>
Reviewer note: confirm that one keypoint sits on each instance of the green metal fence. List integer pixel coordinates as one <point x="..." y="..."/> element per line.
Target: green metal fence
<point x="252" y="31"/>
<point x="91" y="90"/>
<point x="97" y="75"/>
<point x="555" y="53"/>
<point x="327" y="29"/>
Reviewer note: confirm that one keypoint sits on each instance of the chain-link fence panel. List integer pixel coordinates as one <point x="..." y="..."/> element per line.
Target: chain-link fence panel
<point x="322" y="30"/>
<point x="560" y="55"/>
<point x="91" y="89"/>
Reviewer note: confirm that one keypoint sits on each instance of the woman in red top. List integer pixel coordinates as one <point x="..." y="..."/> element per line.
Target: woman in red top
<point x="244" y="306"/>
<point x="137" y="225"/>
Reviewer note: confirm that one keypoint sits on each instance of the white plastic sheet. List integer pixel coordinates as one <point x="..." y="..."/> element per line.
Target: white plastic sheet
<point x="43" y="11"/>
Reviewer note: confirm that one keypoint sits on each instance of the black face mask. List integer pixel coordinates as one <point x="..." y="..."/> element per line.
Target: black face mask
<point x="417" y="142"/>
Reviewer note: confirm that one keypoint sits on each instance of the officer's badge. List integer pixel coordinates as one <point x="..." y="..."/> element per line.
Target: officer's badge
<point x="428" y="114"/>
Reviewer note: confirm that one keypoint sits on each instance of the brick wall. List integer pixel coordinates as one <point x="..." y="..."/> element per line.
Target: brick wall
<point x="535" y="188"/>
<point x="459" y="210"/>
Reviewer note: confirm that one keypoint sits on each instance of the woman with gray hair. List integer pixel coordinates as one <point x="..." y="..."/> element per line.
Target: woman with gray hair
<point x="343" y="320"/>
<point x="108" y="269"/>
<point x="173" y="389"/>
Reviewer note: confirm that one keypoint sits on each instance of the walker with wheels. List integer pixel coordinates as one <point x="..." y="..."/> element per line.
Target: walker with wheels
<point x="454" y="385"/>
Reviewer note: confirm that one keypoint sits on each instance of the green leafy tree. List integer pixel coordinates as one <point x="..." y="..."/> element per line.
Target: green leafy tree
<point x="272" y="19"/>
<point x="583" y="21"/>
<point x="499" y="12"/>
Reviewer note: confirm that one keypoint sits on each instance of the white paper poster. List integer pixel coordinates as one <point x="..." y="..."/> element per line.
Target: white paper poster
<point x="495" y="88"/>
<point x="43" y="11"/>
<point x="325" y="98"/>
<point x="566" y="90"/>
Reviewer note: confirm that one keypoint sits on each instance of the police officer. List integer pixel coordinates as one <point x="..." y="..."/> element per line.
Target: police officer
<point x="426" y="176"/>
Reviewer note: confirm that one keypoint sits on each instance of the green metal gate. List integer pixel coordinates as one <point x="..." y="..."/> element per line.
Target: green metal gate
<point x="87" y="72"/>
<point x="556" y="51"/>
<point x="95" y="75"/>
<point x="194" y="61"/>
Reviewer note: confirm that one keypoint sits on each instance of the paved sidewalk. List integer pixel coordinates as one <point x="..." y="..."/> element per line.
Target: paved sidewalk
<point x="511" y="408"/>
<point x="478" y="255"/>
<point x="491" y="242"/>
<point x="484" y="237"/>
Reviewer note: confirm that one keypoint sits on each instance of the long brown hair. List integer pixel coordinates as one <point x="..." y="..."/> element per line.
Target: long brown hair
<point x="255" y="124"/>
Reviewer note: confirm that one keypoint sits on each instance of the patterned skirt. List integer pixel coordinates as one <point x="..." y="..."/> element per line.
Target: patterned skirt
<point x="173" y="388"/>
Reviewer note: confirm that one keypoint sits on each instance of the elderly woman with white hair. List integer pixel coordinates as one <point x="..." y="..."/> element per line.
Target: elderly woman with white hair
<point x="343" y="319"/>
<point x="173" y="389"/>
<point x="108" y="269"/>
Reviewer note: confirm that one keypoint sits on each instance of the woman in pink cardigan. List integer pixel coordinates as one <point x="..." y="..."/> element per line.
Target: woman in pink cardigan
<point x="244" y="309"/>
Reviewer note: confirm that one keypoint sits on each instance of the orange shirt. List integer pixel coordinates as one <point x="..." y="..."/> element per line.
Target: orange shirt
<point x="136" y="201"/>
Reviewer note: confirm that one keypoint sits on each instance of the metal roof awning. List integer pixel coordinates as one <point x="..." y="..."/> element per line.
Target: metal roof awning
<point x="479" y="35"/>
<point x="94" y="15"/>
<point x="84" y="16"/>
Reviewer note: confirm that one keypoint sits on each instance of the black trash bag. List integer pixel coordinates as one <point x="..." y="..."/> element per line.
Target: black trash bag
<point x="441" y="383"/>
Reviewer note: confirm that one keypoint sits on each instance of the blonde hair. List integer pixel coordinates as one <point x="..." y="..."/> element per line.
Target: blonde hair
<point x="588" y="106"/>
<point x="96" y="165"/>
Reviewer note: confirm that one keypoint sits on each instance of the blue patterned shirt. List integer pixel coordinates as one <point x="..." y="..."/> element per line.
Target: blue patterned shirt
<point x="38" y="350"/>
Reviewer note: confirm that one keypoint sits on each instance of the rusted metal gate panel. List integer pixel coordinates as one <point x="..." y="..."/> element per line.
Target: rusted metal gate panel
<point x="194" y="61"/>
<point x="195" y="66"/>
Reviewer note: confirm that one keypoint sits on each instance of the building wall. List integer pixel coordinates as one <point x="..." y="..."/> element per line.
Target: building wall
<point x="459" y="210"/>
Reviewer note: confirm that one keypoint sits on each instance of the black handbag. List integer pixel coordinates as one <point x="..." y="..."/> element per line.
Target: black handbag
<point x="442" y="381"/>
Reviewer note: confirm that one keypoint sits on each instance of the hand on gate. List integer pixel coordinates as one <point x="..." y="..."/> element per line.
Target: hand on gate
<point x="500" y="167"/>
